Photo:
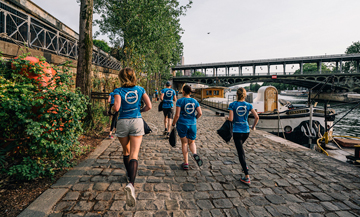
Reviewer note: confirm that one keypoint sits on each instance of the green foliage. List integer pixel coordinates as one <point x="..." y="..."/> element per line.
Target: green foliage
<point x="102" y="45"/>
<point x="146" y="34"/>
<point x="39" y="124"/>
<point x="254" y="87"/>
<point x="354" y="48"/>
<point x="178" y="73"/>
<point x="197" y="73"/>
<point x="99" y="121"/>
<point x="311" y="68"/>
<point x="280" y="86"/>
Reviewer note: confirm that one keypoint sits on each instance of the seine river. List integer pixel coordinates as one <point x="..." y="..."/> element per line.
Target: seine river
<point x="348" y="126"/>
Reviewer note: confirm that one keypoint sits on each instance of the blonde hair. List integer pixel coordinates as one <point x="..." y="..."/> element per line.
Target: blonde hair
<point x="241" y="93"/>
<point x="127" y="77"/>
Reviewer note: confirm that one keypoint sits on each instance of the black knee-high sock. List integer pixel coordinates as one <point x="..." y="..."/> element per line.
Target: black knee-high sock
<point x="133" y="166"/>
<point x="126" y="162"/>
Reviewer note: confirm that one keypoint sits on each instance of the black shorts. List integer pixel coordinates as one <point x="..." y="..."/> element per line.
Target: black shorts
<point x="168" y="112"/>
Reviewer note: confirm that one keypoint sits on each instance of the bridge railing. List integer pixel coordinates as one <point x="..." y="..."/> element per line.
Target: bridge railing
<point x="259" y="74"/>
<point x="23" y="29"/>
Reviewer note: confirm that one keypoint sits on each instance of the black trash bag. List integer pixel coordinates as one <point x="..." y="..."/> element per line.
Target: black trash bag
<point x="160" y="106"/>
<point x="147" y="129"/>
<point x="172" y="138"/>
<point x="225" y="131"/>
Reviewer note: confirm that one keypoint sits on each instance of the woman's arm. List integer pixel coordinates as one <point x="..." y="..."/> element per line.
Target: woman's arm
<point x="117" y="104"/>
<point x="199" y="112"/>
<point x="109" y="99"/>
<point x="177" y="115"/>
<point x="256" y="118"/>
<point x="231" y="115"/>
<point x="147" y="101"/>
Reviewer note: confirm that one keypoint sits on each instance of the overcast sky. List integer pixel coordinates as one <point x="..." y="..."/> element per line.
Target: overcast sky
<point x="249" y="30"/>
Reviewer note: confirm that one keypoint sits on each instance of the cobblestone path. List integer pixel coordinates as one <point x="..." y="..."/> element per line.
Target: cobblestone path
<point x="286" y="180"/>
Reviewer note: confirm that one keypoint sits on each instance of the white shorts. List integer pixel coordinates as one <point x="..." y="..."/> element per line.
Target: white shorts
<point x="130" y="127"/>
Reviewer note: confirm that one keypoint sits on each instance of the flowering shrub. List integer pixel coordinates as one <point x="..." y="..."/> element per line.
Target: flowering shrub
<point x="39" y="124"/>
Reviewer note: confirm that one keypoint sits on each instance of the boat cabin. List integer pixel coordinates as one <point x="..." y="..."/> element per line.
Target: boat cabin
<point x="209" y="92"/>
<point x="267" y="100"/>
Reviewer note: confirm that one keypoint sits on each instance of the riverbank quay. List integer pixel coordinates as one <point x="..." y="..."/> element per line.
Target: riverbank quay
<point x="287" y="179"/>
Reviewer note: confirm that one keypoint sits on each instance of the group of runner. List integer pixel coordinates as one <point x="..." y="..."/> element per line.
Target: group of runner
<point x="125" y="102"/>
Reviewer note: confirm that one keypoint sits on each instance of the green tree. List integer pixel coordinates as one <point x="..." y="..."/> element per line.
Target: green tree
<point x="254" y="87"/>
<point x="354" y="48"/>
<point x="311" y="68"/>
<point x="197" y="73"/>
<point x="146" y="34"/>
<point x="102" y="45"/>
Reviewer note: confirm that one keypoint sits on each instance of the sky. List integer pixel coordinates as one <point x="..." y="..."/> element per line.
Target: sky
<point x="250" y="30"/>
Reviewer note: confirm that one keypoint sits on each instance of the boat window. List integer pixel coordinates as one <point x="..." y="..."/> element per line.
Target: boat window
<point x="210" y="92"/>
<point x="216" y="92"/>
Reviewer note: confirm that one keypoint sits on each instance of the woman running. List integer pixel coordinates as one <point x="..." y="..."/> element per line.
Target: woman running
<point x="186" y="124"/>
<point x="111" y="100"/>
<point x="238" y="114"/>
<point x="130" y="125"/>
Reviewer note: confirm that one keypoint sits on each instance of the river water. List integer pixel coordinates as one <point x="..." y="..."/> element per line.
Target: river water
<point x="348" y="126"/>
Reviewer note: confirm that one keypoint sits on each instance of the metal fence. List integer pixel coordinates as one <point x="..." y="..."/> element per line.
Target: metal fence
<point x="21" y="28"/>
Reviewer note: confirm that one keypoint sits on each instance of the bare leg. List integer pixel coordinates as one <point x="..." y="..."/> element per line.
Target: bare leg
<point x="169" y="124"/>
<point x="125" y="143"/>
<point x="135" y="143"/>
<point x="192" y="146"/>
<point x="184" y="149"/>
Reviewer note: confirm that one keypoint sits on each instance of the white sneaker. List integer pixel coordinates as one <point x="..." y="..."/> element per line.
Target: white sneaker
<point x="130" y="195"/>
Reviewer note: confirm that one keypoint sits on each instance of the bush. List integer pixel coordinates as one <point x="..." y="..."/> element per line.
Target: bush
<point x="39" y="124"/>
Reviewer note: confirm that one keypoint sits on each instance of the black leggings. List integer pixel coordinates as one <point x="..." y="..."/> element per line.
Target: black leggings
<point x="114" y="118"/>
<point x="239" y="139"/>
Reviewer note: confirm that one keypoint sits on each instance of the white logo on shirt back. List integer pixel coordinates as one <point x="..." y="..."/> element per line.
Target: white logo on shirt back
<point x="169" y="93"/>
<point x="241" y="110"/>
<point x="189" y="108"/>
<point x="131" y="97"/>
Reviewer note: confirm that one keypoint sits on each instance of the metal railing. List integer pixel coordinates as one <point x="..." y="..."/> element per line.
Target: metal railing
<point x="259" y="74"/>
<point x="21" y="28"/>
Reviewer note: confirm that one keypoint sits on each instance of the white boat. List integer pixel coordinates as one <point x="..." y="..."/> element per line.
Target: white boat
<point x="294" y="93"/>
<point x="281" y="118"/>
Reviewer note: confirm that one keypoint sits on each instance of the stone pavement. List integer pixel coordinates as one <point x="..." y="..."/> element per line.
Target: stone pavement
<point x="287" y="179"/>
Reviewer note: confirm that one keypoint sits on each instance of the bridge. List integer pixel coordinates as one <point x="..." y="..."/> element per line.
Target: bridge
<point x="23" y="22"/>
<point x="234" y="75"/>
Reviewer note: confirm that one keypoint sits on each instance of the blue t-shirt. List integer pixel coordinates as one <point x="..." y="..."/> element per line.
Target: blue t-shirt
<point x="187" y="112"/>
<point x="130" y="101"/>
<point x="112" y="98"/>
<point x="156" y="92"/>
<point x="241" y="112"/>
<point x="168" y="97"/>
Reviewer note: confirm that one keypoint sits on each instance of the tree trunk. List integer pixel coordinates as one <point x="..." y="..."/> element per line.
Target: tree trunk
<point x="83" y="74"/>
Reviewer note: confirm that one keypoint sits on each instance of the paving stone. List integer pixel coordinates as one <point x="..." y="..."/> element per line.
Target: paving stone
<point x="275" y="199"/>
<point x="216" y="212"/>
<point x="188" y="187"/>
<point x="146" y="196"/>
<point x="341" y="205"/>
<point x="115" y="187"/>
<point x="205" y="204"/>
<point x="322" y="196"/>
<point x="104" y="196"/>
<point x="64" y="206"/>
<point x="72" y="195"/>
<point x="100" y="186"/>
<point x="312" y="207"/>
<point x="283" y="209"/>
<point x="258" y="211"/>
<point x="203" y="187"/>
<point x="216" y="194"/>
<point x="292" y="198"/>
<point x="94" y="171"/>
<point x="187" y="205"/>
<point x="82" y="187"/>
<point x="329" y="206"/>
<point x="272" y="211"/>
<point x="242" y="211"/>
<point x="282" y="183"/>
<point x="101" y="205"/>
<point x="297" y="208"/>
<point x="222" y="203"/>
<point x="178" y="214"/>
<point x="259" y="201"/>
<point x="83" y="206"/>
<point x="344" y="214"/>
<point x="172" y="204"/>
<point x="217" y="186"/>
<point x="162" y="187"/>
<point x="143" y="214"/>
<point x="118" y="205"/>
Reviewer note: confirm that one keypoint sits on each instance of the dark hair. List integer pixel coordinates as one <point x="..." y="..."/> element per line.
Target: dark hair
<point x="187" y="89"/>
<point x="127" y="77"/>
<point x="241" y="93"/>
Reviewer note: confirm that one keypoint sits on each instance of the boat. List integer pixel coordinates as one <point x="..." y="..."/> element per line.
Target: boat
<point x="281" y="118"/>
<point x="299" y="93"/>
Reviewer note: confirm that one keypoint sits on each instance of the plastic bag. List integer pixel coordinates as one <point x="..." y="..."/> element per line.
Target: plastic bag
<point x="147" y="129"/>
<point x="160" y="106"/>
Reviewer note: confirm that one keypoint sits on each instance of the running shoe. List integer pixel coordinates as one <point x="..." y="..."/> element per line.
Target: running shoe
<point x="167" y="135"/>
<point x="198" y="160"/>
<point x="110" y="137"/>
<point x="130" y="195"/>
<point x="245" y="180"/>
<point x="185" y="166"/>
<point x="165" y="131"/>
